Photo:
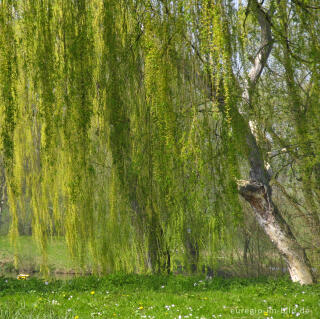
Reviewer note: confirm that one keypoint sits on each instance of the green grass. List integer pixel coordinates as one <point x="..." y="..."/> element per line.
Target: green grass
<point x="137" y="296"/>
<point x="30" y="258"/>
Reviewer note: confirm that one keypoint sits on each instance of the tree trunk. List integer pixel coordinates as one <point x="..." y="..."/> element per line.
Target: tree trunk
<point x="245" y="251"/>
<point x="267" y="214"/>
<point x="192" y="252"/>
<point x="257" y="191"/>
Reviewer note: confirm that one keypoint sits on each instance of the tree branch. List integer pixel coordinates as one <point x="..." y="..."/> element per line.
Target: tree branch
<point x="264" y="50"/>
<point x="304" y="6"/>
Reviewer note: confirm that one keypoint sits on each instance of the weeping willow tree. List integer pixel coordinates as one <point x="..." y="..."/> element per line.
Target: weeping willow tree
<point x="132" y="127"/>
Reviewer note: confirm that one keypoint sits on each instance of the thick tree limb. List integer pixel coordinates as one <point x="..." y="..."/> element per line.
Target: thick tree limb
<point x="257" y="191"/>
<point x="270" y="219"/>
<point x="264" y="50"/>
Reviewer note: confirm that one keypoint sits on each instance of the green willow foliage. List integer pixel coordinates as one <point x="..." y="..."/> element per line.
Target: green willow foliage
<point x="9" y="74"/>
<point x="114" y="134"/>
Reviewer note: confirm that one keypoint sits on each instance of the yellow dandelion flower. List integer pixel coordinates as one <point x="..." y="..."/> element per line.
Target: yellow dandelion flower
<point x="265" y="313"/>
<point x="76" y="317"/>
<point x="92" y="292"/>
<point x="140" y="308"/>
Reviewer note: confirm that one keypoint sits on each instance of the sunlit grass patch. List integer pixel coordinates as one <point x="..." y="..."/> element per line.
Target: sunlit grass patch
<point x="134" y="296"/>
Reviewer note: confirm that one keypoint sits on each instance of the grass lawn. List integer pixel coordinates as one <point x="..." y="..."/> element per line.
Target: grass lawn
<point x="137" y="296"/>
<point x="30" y="257"/>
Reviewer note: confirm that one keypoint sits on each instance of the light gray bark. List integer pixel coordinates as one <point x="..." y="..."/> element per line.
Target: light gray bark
<point x="264" y="51"/>
<point x="269" y="218"/>
<point x="257" y="191"/>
